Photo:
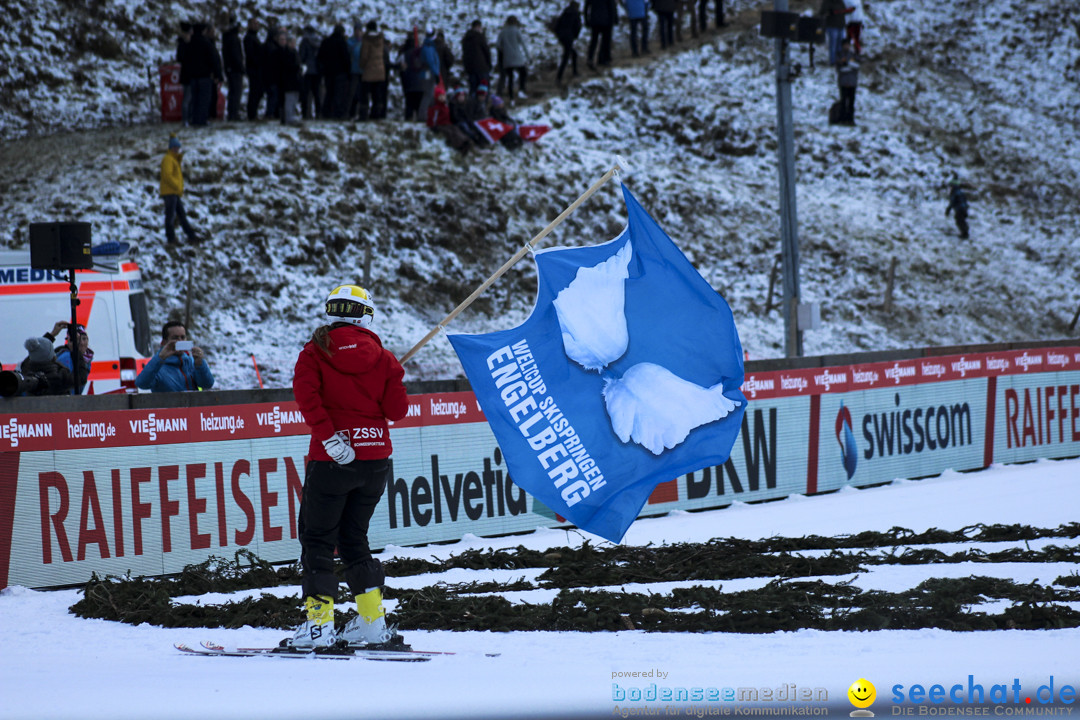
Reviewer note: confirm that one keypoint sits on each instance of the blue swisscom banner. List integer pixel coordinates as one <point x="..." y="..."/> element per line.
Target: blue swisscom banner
<point x="625" y="375"/>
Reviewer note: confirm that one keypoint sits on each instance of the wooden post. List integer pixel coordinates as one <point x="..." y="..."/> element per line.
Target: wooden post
<point x="367" y="263"/>
<point x="187" y="301"/>
<point x="890" y="280"/>
<point x="772" y="283"/>
<point x="153" y="88"/>
<point x="512" y="261"/>
<point x="508" y="301"/>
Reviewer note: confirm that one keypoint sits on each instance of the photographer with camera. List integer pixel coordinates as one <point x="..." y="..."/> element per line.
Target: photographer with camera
<point x="178" y="366"/>
<point x="39" y="373"/>
<point x="63" y="353"/>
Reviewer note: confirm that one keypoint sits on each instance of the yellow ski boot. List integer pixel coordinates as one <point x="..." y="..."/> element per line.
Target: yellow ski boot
<point x="369" y="626"/>
<point x="318" y="630"/>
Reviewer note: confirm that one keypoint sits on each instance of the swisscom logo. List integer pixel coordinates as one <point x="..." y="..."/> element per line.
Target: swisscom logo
<point x="845" y="438"/>
<point x="907" y="428"/>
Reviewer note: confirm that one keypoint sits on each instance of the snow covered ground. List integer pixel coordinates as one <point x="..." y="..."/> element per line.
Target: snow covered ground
<point x="53" y="665"/>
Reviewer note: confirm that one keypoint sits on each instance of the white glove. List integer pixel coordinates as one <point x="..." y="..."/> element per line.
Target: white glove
<point x="339" y="448"/>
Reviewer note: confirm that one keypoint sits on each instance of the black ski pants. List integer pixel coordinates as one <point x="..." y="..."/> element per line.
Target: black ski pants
<point x="335" y="512"/>
<point x="601" y="34"/>
<point x="703" y="11"/>
<point x="962" y="224"/>
<point x="256" y="90"/>
<point x="847" y="104"/>
<point x="569" y="54"/>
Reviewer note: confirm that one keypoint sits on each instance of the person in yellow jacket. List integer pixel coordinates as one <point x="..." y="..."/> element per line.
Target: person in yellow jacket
<point x="172" y="188"/>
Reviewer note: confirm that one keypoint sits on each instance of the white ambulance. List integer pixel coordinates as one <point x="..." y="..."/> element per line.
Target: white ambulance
<point x="112" y="306"/>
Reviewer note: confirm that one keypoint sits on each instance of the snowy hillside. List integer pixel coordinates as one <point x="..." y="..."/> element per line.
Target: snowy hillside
<point x="987" y="89"/>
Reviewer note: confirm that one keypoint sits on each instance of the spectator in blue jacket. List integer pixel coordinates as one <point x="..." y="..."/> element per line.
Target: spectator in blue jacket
<point x="411" y="65"/>
<point x="356" y="69"/>
<point x="175" y="369"/>
<point x="637" y="12"/>
<point x="429" y="71"/>
<point x="833" y="12"/>
<point x="63" y="353"/>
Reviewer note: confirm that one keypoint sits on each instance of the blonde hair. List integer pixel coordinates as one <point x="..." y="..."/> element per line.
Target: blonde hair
<point x="321" y="338"/>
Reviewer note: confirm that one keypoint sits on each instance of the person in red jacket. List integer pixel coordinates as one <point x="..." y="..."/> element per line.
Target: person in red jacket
<point x="347" y="387"/>
<point x="440" y="121"/>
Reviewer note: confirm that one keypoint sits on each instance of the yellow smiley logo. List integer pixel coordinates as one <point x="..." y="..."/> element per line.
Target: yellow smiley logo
<point x="862" y="693"/>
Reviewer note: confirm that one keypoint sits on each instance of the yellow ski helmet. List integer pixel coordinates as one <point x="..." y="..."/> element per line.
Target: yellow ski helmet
<point x="350" y="304"/>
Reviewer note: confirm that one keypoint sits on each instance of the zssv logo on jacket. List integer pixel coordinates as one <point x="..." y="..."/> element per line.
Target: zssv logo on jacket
<point x="374" y="436"/>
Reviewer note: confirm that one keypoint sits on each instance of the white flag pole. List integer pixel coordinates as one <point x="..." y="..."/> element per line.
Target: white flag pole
<point x="621" y="164"/>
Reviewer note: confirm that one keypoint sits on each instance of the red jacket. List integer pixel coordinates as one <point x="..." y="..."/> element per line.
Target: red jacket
<point x="438" y="114"/>
<point x="356" y="390"/>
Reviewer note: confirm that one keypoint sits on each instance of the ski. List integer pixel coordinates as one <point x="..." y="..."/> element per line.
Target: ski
<point x="211" y="649"/>
<point x="386" y="654"/>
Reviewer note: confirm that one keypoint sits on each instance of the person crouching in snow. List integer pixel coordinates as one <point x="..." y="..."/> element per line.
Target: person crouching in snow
<point x="462" y="118"/>
<point x="480" y="104"/>
<point x="439" y="120"/>
<point x="511" y="140"/>
<point x="347" y="387"/>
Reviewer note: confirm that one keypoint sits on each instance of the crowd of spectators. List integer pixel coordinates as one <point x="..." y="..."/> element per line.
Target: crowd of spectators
<point x="179" y="365"/>
<point x="293" y="74"/>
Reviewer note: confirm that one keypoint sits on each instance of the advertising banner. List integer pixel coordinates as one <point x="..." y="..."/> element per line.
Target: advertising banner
<point x="172" y="93"/>
<point x="150" y="491"/>
<point x="904" y="431"/>
<point x="1036" y="397"/>
<point x="768" y="460"/>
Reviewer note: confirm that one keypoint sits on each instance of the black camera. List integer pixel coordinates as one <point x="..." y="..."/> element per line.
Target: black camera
<point x="13" y="383"/>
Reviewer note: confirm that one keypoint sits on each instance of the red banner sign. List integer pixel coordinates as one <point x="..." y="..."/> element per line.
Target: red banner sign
<point x="870" y="376"/>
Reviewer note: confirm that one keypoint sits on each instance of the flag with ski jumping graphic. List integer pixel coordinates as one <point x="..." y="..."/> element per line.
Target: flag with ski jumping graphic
<point x="626" y="374"/>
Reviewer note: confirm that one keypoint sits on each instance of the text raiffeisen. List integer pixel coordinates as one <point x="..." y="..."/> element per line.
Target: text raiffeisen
<point x="557" y="445"/>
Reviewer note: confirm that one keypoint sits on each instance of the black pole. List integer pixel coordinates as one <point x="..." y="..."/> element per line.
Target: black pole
<point x="73" y="331"/>
<point x="789" y="226"/>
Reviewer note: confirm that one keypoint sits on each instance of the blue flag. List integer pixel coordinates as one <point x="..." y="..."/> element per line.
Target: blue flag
<point x="625" y="375"/>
